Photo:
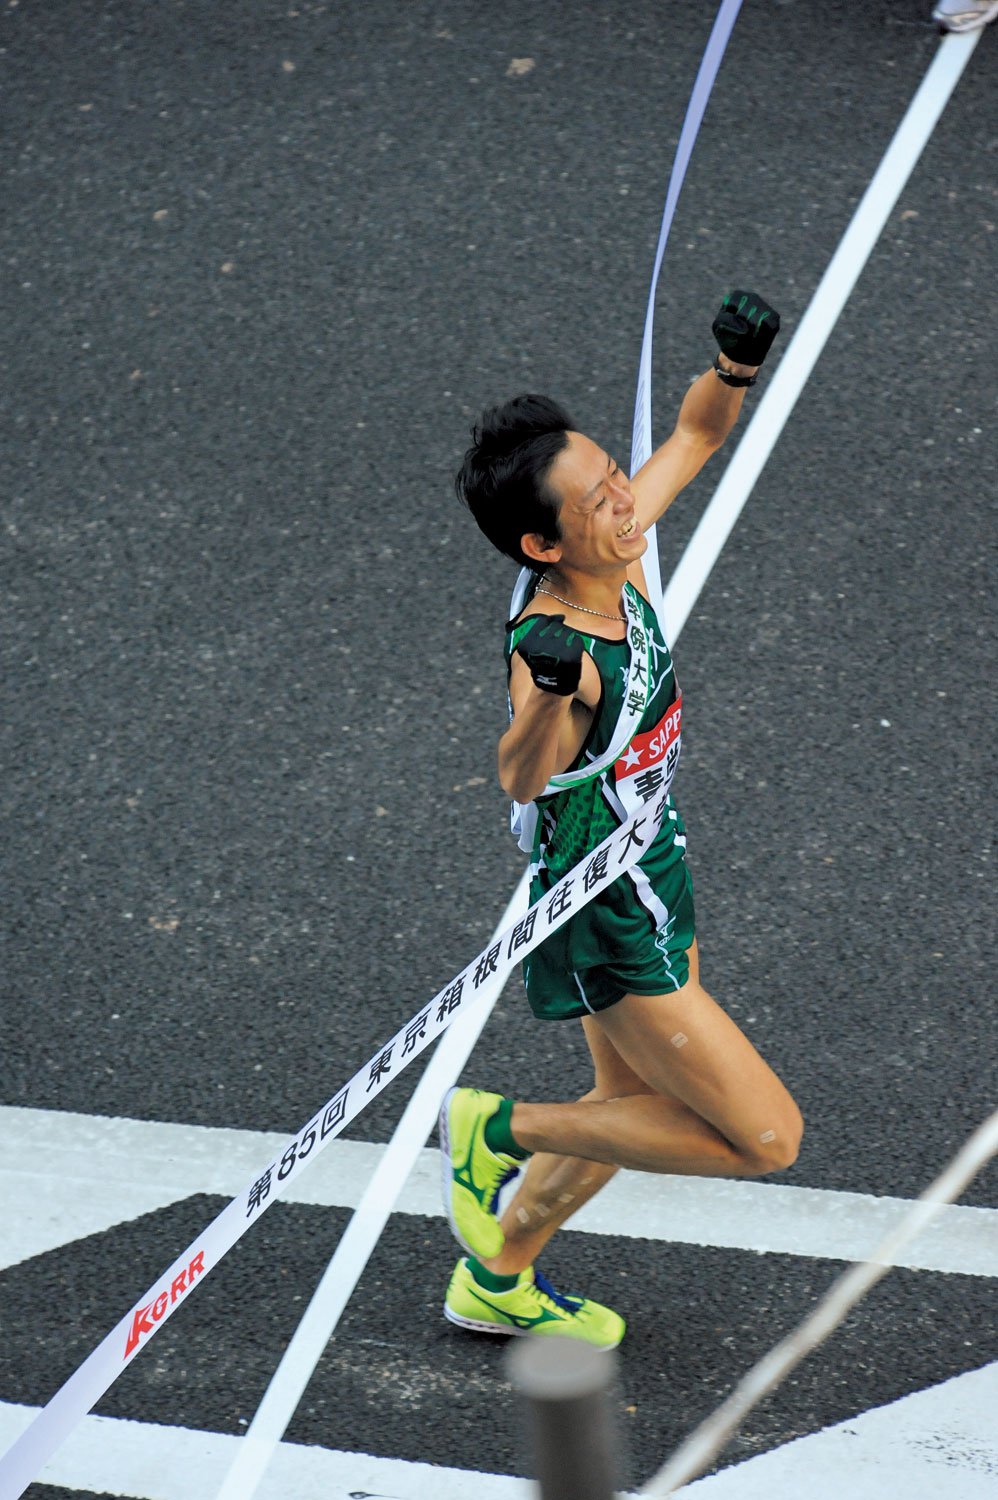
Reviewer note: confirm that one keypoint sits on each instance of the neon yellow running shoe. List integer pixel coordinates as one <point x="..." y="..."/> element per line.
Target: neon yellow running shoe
<point x="532" y="1306"/>
<point x="471" y="1173"/>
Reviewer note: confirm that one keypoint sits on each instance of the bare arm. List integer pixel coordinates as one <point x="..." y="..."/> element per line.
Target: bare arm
<point x="708" y="413"/>
<point x="744" y="328"/>
<point x="547" y="731"/>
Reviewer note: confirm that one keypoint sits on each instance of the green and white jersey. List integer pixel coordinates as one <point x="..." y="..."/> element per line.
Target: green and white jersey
<point x="574" y="820"/>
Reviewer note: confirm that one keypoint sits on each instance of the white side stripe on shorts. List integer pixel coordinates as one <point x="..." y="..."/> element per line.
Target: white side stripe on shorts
<point x="582" y="992"/>
<point x="643" y="889"/>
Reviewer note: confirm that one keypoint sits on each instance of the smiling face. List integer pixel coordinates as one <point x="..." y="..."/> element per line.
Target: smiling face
<point x="600" y="532"/>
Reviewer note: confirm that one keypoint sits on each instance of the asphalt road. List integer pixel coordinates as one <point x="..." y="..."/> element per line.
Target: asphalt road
<point x="264" y="265"/>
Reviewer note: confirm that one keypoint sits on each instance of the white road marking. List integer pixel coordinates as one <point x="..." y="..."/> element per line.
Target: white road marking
<point x="938" y="1444"/>
<point x="91" y="1173"/>
<point x="145" y="1461"/>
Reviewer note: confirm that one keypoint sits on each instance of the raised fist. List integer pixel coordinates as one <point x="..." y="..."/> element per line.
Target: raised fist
<point x="745" y="327"/>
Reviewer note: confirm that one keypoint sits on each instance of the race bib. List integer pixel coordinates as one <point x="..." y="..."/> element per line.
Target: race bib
<point x="647" y="766"/>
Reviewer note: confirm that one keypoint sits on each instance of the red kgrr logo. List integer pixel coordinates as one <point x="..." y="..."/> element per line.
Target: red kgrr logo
<point x="144" y="1319"/>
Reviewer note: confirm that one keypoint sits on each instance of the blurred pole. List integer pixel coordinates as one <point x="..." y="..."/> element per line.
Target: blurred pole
<point x="566" y="1386"/>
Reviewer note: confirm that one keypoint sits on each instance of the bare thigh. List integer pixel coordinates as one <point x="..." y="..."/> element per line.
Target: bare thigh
<point x="684" y="1046"/>
<point x="613" y="1078"/>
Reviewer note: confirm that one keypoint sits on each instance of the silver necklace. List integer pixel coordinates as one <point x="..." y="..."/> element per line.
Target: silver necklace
<point x="584" y="607"/>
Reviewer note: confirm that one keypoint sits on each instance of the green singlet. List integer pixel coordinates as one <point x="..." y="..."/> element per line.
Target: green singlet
<point x="635" y="935"/>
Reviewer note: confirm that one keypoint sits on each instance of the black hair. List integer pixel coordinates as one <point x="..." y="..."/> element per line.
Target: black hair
<point x="503" y="480"/>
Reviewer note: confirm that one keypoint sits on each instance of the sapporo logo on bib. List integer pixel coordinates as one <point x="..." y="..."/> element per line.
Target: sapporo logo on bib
<point x="647" y="766"/>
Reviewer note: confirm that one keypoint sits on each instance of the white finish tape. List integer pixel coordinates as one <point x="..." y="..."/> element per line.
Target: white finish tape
<point x="481" y="979"/>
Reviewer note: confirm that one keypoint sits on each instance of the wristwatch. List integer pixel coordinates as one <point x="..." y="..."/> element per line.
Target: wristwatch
<point x="728" y="377"/>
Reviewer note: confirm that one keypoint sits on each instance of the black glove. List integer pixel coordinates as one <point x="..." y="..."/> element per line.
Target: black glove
<point x="554" y="656"/>
<point x="745" y="327"/>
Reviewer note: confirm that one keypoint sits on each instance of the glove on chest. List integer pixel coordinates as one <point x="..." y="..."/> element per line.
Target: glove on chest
<point x="553" y="655"/>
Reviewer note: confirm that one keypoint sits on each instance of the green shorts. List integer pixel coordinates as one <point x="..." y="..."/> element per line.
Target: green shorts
<point x="634" y="938"/>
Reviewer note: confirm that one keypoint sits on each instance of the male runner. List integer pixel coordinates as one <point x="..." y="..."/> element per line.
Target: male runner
<point x="678" y="1088"/>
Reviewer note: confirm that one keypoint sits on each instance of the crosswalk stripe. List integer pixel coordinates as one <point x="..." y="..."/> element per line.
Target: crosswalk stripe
<point x="88" y="1173"/>
<point x="146" y="1461"/>
<point x="933" y="1444"/>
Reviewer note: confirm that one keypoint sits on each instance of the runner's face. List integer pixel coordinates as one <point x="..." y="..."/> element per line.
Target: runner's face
<point x="600" y="531"/>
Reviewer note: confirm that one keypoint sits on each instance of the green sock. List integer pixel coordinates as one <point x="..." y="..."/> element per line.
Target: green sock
<point x="499" y="1136"/>
<point x="490" y="1280"/>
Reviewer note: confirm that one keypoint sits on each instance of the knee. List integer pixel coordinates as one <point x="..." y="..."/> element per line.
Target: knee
<point x="777" y="1149"/>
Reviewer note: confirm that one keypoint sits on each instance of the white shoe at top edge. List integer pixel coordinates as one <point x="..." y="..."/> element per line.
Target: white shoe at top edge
<point x="964" y="15"/>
